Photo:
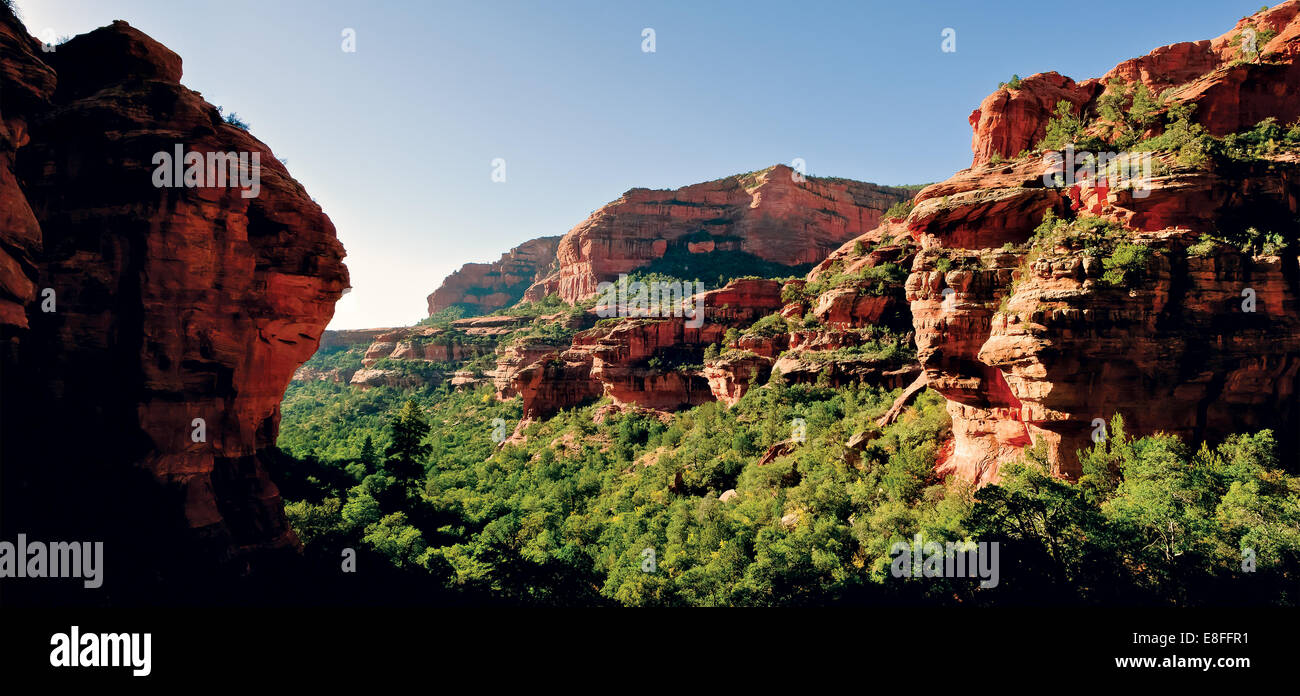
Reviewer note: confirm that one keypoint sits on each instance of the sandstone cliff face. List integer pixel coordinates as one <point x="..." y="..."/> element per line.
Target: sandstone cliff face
<point x="767" y="213"/>
<point x="660" y="364"/>
<point x="651" y="362"/>
<point x="1032" y="344"/>
<point x="351" y="337"/>
<point x="1232" y="91"/>
<point x="27" y="84"/>
<point x="424" y="343"/>
<point x="487" y="287"/>
<point x="176" y="309"/>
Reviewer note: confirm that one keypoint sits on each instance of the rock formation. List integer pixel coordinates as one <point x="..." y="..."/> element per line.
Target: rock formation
<point x="1040" y="337"/>
<point x="652" y="362"/>
<point x="1232" y="88"/>
<point x="486" y="287"/>
<point x="774" y="215"/>
<point x="149" y="332"/>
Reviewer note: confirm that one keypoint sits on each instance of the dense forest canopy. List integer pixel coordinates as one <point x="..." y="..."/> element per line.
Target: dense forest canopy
<point x="601" y="507"/>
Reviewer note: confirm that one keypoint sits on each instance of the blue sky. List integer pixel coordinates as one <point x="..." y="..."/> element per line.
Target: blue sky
<point x="396" y="140"/>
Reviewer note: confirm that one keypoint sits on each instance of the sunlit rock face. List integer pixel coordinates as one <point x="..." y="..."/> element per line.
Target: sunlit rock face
<point x="1036" y="348"/>
<point x="776" y="214"/>
<point x="1230" y="94"/>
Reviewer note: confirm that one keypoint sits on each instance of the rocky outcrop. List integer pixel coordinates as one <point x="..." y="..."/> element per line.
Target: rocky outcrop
<point x="1232" y="90"/>
<point x="496" y="325"/>
<point x="176" y="315"/>
<point x="1012" y="120"/>
<point x="348" y="338"/>
<point x="308" y="373"/>
<point x="1031" y="343"/>
<point x="1037" y="336"/>
<point x="651" y="362"/>
<point x="371" y="377"/>
<point x="427" y="344"/>
<point x="731" y="375"/>
<point x="486" y="287"/>
<point x="28" y="85"/>
<point x="774" y="215"/>
<point x="860" y="330"/>
<point x="514" y="357"/>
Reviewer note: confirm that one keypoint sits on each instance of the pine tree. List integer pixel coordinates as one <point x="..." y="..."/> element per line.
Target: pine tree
<point x="407" y="453"/>
<point x="369" y="457"/>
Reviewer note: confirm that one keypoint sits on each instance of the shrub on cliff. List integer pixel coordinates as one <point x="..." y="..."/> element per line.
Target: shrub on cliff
<point x="232" y="119"/>
<point x="899" y="210"/>
<point x="1066" y="128"/>
<point x="769" y="326"/>
<point x="1125" y="263"/>
<point x="878" y="280"/>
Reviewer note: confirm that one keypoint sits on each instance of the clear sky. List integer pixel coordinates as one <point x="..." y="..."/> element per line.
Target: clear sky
<point x="396" y="140"/>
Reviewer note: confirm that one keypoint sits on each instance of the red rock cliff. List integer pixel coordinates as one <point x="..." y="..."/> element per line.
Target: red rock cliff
<point x="172" y="307"/>
<point x="1233" y="91"/>
<point x="768" y="214"/>
<point x="487" y="287"/>
<point x="1033" y="342"/>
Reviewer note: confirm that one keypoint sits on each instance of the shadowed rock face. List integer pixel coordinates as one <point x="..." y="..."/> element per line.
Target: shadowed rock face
<point x="171" y="305"/>
<point x="1231" y="95"/>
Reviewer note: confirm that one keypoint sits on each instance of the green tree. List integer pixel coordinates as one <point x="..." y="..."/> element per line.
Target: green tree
<point x="408" y="452"/>
<point x="369" y="457"/>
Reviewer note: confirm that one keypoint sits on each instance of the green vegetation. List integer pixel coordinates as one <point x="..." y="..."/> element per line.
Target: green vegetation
<point x="1065" y="128"/>
<point x="869" y="280"/>
<point x="1251" y="241"/>
<point x="1125" y="263"/>
<point x="880" y="345"/>
<point x="233" y="119"/>
<point x="1203" y="248"/>
<point x="1188" y="140"/>
<point x="1014" y="83"/>
<point x="444" y="318"/>
<point x="1122" y="259"/>
<point x="717" y="268"/>
<point x="1196" y="148"/>
<point x="769" y="326"/>
<point x="1130" y="110"/>
<point x="900" y="209"/>
<point x="549" y="305"/>
<point x="566" y="517"/>
<point x="1265" y="139"/>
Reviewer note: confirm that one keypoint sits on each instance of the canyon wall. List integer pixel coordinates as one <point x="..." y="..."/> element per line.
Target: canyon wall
<point x="1026" y="330"/>
<point x="774" y="214"/>
<point x="149" y="332"/>
<point x="1033" y="342"/>
<point x="1232" y="90"/>
<point x="482" y="288"/>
